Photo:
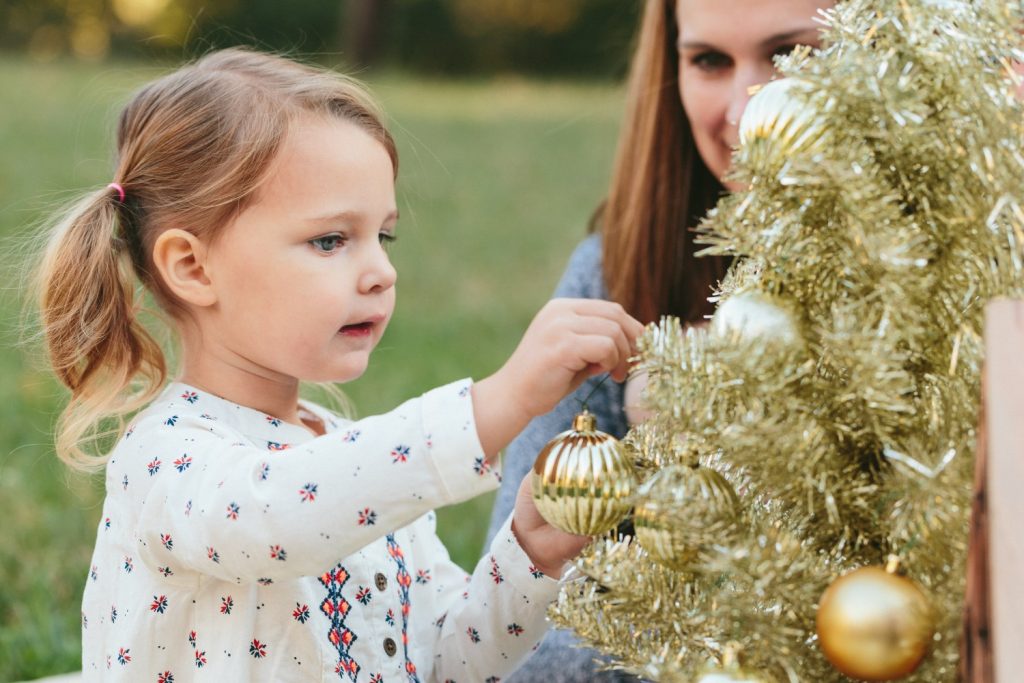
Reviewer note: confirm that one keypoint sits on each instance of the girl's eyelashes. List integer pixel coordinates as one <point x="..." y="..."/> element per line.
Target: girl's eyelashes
<point x="328" y="244"/>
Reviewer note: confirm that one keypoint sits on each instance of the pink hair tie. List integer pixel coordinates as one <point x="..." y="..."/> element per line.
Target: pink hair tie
<point x="120" y="191"/>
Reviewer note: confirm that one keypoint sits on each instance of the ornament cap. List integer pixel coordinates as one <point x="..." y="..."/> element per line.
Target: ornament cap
<point x="584" y="422"/>
<point x="892" y="564"/>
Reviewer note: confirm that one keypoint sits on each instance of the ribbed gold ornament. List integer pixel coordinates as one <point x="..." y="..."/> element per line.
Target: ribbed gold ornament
<point x="875" y="625"/>
<point x="779" y="113"/>
<point x="582" y="480"/>
<point x="680" y="509"/>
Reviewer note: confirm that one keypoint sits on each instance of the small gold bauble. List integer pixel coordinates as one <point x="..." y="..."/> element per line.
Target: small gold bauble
<point x="874" y="625"/>
<point x="778" y="113"/>
<point x="681" y="509"/>
<point x="582" y="480"/>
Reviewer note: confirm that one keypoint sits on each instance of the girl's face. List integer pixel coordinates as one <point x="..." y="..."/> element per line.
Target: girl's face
<point x="725" y="47"/>
<point x="304" y="284"/>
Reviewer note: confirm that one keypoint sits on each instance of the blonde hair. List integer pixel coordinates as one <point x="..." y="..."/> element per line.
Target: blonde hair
<point x="192" y="150"/>
<point x="660" y="189"/>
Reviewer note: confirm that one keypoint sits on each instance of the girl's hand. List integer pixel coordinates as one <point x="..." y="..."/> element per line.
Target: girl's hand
<point x="568" y="341"/>
<point x="547" y="547"/>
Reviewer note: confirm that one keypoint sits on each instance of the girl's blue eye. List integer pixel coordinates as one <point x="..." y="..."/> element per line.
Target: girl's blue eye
<point x="328" y="243"/>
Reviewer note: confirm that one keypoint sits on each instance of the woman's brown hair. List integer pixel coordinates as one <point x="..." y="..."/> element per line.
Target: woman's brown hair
<point x="192" y="150"/>
<point x="660" y="189"/>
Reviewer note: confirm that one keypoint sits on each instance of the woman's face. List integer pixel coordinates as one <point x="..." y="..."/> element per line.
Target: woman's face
<point x="725" y="47"/>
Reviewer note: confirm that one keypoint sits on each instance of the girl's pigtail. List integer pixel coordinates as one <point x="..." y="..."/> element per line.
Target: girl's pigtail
<point x="97" y="346"/>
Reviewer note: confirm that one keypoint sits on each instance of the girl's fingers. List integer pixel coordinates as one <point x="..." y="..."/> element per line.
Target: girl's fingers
<point x="610" y="311"/>
<point x="597" y="350"/>
<point x="606" y="328"/>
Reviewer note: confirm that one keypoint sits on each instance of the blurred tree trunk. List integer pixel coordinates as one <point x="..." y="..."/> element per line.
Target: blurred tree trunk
<point x="364" y="30"/>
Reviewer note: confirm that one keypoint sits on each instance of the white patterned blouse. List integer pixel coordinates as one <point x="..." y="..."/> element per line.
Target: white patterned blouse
<point x="237" y="547"/>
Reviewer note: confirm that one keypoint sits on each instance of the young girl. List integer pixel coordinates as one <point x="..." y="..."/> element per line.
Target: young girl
<point x="247" y="535"/>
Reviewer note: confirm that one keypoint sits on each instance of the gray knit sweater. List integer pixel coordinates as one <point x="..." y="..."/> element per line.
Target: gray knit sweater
<point x="559" y="658"/>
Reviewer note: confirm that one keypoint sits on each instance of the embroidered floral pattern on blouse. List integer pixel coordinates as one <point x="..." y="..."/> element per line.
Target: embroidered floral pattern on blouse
<point x="404" y="581"/>
<point x="301" y="613"/>
<point x="257" y="649"/>
<point x="336" y="608"/>
<point x="159" y="604"/>
<point x="367" y="517"/>
<point x="308" y="493"/>
<point x="399" y="453"/>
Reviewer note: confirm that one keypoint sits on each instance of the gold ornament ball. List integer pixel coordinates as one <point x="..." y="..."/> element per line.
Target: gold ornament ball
<point x="681" y="508"/>
<point x="582" y="480"/>
<point x="874" y="625"/>
<point x="779" y="114"/>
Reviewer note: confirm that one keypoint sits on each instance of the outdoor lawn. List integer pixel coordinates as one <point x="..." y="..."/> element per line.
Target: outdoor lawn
<point x="497" y="181"/>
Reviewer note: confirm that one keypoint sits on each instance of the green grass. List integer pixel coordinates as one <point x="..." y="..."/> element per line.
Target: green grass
<point x="496" y="185"/>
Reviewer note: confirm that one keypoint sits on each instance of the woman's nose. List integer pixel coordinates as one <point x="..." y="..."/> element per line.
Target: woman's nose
<point x="746" y="78"/>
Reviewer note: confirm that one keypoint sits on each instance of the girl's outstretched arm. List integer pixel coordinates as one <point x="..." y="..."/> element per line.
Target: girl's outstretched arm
<point x="211" y="502"/>
<point x="191" y="491"/>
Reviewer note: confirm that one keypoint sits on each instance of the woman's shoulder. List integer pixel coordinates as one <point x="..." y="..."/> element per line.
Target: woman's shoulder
<point x="583" y="276"/>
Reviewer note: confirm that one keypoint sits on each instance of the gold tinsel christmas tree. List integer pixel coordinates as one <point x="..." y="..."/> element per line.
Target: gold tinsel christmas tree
<point x="824" y="422"/>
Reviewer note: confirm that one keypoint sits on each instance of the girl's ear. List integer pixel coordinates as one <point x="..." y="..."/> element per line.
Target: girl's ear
<point x="180" y="258"/>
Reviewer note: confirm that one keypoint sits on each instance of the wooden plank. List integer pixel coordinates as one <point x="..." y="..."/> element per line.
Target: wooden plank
<point x="1004" y="409"/>
<point x="976" y="646"/>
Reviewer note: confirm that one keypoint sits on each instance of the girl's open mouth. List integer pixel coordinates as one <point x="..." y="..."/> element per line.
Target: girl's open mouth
<point x="357" y="330"/>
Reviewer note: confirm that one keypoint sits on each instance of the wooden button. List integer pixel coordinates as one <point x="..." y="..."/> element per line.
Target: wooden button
<point x="381" y="581"/>
<point x="389" y="647"/>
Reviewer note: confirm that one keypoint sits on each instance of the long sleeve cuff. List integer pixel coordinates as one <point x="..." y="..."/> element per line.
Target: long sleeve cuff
<point x="455" y="450"/>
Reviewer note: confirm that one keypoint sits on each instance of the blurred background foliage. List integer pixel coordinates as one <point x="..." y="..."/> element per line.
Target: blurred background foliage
<point x="505" y="113"/>
<point x="582" y="38"/>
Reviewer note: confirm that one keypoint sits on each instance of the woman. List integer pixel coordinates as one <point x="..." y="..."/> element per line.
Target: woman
<point x="694" y="63"/>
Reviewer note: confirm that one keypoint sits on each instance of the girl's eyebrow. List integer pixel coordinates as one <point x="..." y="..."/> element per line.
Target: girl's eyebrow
<point x="349" y="216"/>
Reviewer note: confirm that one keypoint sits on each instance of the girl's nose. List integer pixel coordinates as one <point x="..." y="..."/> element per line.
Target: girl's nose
<point x="378" y="274"/>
